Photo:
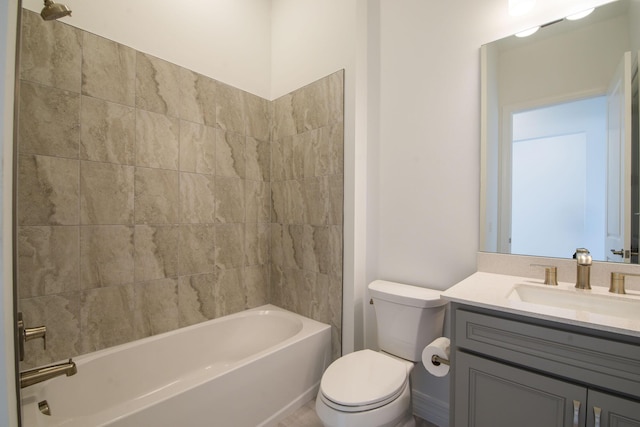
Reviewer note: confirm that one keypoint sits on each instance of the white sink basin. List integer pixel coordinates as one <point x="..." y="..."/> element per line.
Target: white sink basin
<point x="589" y="301"/>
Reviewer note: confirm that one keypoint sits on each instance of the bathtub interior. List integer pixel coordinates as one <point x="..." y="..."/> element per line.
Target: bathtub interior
<point x="138" y="375"/>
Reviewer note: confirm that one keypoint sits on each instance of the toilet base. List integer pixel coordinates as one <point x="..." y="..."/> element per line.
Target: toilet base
<point x="395" y="414"/>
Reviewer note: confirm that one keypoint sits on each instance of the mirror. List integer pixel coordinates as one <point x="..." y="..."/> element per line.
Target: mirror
<point x="559" y="143"/>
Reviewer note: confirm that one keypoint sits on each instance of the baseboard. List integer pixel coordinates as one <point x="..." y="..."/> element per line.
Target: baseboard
<point x="431" y="409"/>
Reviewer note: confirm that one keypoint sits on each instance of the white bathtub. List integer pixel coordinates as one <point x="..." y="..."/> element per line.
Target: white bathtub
<point x="247" y="369"/>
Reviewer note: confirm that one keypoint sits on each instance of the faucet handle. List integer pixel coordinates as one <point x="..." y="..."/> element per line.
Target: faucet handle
<point x="37" y="332"/>
<point x="617" y="282"/>
<point x="550" y="274"/>
<point x="26" y="334"/>
<point x="582" y="256"/>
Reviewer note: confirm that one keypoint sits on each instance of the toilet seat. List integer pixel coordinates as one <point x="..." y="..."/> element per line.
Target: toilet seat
<point x="364" y="380"/>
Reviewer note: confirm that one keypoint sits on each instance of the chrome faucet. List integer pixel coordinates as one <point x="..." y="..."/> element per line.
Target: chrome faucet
<point x="583" y="276"/>
<point x="38" y="375"/>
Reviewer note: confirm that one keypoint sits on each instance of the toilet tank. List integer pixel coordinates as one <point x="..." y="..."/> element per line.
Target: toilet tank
<point x="408" y="317"/>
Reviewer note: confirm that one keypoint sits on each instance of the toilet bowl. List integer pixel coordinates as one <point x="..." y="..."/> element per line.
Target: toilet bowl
<point x="365" y="389"/>
<point x="372" y="388"/>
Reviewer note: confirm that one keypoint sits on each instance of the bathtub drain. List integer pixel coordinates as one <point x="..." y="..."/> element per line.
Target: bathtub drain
<point x="44" y="407"/>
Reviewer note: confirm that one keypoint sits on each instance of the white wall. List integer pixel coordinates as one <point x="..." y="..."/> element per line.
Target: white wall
<point x="428" y="171"/>
<point x="8" y="412"/>
<point x="229" y="40"/>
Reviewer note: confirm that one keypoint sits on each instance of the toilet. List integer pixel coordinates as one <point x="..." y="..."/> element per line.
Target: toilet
<point x="371" y="388"/>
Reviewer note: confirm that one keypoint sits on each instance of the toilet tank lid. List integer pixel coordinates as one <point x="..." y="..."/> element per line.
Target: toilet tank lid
<point x="400" y="293"/>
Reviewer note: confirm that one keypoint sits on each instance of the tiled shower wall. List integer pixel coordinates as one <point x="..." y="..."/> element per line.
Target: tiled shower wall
<point x="144" y="195"/>
<point x="307" y="202"/>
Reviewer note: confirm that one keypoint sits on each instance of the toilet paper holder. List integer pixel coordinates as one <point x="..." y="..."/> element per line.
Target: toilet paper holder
<point x="437" y="360"/>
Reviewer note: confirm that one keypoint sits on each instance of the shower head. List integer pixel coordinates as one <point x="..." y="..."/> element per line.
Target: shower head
<point x="53" y="11"/>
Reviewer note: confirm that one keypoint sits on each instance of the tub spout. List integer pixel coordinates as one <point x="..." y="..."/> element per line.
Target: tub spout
<point x="38" y="375"/>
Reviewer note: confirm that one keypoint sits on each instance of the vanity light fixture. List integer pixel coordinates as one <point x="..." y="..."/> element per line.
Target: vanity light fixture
<point x="527" y="33"/>
<point x="520" y="7"/>
<point x="580" y="15"/>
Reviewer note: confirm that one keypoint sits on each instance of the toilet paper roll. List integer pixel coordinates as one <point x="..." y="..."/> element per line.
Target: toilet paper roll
<point x="438" y="347"/>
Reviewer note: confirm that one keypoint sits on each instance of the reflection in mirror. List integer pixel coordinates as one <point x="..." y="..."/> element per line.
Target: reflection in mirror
<point x="559" y="138"/>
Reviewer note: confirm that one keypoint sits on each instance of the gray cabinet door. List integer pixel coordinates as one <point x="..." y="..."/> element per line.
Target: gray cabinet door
<point x="490" y="394"/>
<point x="615" y="411"/>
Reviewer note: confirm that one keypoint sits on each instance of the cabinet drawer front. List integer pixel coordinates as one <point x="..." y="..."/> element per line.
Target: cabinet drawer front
<point x="608" y="364"/>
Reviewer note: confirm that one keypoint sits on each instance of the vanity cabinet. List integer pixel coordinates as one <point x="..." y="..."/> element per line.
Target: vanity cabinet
<point x="515" y="371"/>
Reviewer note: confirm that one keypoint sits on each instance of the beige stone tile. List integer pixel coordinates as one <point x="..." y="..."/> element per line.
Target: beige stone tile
<point x="196" y="249"/>
<point x="257" y="201"/>
<point x="334" y="136"/>
<point x="278" y="199"/>
<point x="230" y="154"/>
<point x="335" y="96"/>
<point x="156" y="252"/>
<point x="310" y="106"/>
<point x="256" y="243"/>
<point x="319" y="307"/>
<point x="108" y="70"/>
<point x="276" y="244"/>
<point x="314" y="153"/>
<point x="196" y="198"/>
<point x="106" y="193"/>
<point x="230" y="109"/>
<point x="293" y="245"/>
<point x="197" y="148"/>
<point x="196" y="299"/>
<point x="229" y="246"/>
<point x="49" y="121"/>
<point x="257" y="160"/>
<point x="279" y="164"/>
<point x="336" y="199"/>
<point x="60" y="313"/>
<point x="298" y="154"/>
<point x="48" y="260"/>
<point x="256" y="285"/>
<point x="48" y="190"/>
<point x="284" y="123"/>
<point x="198" y="98"/>
<point x="106" y="317"/>
<point x="157" y="140"/>
<point x="156" y="307"/>
<point x="157" y="196"/>
<point x="51" y="53"/>
<point x="304" y="283"/>
<point x="229" y="200"/>
<point x="107" y="131"/>
<point x="315" y="195"/>
<point x="106" y="255"/>
<point x="294" y="207"/>
<point x="229" y="291"/>
<point x="327" y="246"/>
<point x="258" y="117"/>
<point x="157" y="85"/>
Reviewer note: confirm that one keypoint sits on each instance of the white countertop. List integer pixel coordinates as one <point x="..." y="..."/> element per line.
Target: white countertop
<point x="490" y="290"/>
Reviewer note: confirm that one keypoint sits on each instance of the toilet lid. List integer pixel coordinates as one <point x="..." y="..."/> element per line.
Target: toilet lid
<point x="363" y="378"/>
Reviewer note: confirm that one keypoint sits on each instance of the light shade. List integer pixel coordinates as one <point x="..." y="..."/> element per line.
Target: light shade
<point x="520" y="7"/>
<point x="580" y="15"/>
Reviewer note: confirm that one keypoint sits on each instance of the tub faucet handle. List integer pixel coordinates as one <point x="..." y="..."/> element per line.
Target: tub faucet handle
<point x="28" y="334"/>
<point x="37" y="332"/>
<point x="550" y="274"/>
